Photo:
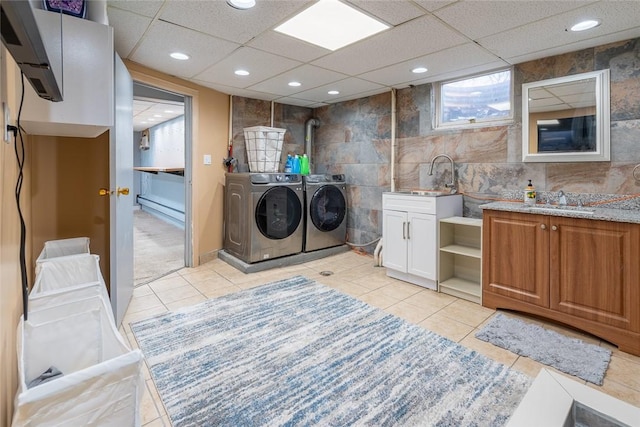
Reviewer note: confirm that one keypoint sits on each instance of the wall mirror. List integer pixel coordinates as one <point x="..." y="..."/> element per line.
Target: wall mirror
<point x="566" y="119"/>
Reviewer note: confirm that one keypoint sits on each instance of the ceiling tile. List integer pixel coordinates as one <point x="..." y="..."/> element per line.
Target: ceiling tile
<point x="164" y="38"/>
<point x="237" y="91"/>
<point x="128" y="29"/>
<point x="219" y="19"/>
<point x="478" y="19"/>
<point x="432" y="5"/>
<point x="539" y="37"/>
<point x="410" y="40"/>
<point x="261" y="65"/>
<point x="347" y="87"/>
<point x="299" y="102"/>
<point x="448" y="60"/>
<point x="287" y="46"/>
<point x="148" y="8"/>
<point x="394" y="13"/>
<point x="308" y="75"/>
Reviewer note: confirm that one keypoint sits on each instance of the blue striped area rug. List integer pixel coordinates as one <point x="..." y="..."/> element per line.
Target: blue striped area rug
<point x="298" y="353"/>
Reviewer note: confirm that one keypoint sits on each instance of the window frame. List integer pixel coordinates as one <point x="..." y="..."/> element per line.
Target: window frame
<point x="438" y="104"/>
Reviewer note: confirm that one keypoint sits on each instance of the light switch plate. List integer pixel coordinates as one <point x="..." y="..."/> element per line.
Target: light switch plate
<point x="207" y="159"/>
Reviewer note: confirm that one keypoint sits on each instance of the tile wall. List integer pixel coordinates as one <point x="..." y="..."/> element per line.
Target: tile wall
<point x="355" y="139"/>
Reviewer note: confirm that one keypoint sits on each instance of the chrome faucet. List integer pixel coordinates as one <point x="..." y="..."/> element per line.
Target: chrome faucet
<point x="452" y="184"/>
<point x="562" y="199"/>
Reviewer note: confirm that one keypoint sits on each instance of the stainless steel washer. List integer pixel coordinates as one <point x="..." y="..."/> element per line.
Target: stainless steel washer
<point x="263" y="215"/>
<point x="326" y="211"/>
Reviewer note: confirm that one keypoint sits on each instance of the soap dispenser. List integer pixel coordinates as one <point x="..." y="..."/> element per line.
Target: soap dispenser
<point x="530" y="194"/>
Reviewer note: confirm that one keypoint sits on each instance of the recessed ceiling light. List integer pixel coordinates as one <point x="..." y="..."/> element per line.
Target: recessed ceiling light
<point x="585" y="25"/>
<point x="168" y="111"/>
<point x="179" y="55"/>
<point x="295" y="84"/>
<point x="331" y="24"/>
<point x="157" y="115"/>
<point x="241" y="72"/>
<point x="151" y="120"/>
<point x="333" y="92"/>
<point x="419" y="70"/>
<point x="241" y="4"/>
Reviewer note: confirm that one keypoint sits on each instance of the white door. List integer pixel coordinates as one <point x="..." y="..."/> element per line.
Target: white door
<point x="394" y="247"/>
<point x="422" y="244"/>
<point x="121" y="180"/>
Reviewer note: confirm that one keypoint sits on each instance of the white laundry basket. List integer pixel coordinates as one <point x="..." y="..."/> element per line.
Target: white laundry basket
<point x="264" y="148"/>
<point x="62" y="247"/>
<point x="102" y="382"/>
<point x="71" y="272"/>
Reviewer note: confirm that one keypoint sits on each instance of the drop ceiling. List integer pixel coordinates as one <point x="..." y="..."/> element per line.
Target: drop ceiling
<point x="451" y="38"/>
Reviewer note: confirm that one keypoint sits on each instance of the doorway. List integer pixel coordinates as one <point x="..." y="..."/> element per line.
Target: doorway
<point x="161" y="140"/>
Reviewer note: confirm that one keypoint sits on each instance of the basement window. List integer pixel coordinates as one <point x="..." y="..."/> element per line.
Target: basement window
<point x="482" y="100"/>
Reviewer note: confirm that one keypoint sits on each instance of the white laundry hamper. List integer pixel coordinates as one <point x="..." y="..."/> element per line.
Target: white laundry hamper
<point x="73" y="271"/>
<point x="62" y="247"/>
<point x="264" y="148"/>
<point x="102" y="382"/>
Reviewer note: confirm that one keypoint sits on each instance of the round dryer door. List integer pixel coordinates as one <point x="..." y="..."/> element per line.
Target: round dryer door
<point x="278" y="213"/>
<point x="327" y="208"/>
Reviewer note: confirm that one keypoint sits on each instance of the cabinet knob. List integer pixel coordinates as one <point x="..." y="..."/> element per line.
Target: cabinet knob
<point x="554" y="228"/>
<point x="543" y="226"/>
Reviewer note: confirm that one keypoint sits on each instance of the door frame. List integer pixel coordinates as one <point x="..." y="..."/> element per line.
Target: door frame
<point x="191" y="100"/>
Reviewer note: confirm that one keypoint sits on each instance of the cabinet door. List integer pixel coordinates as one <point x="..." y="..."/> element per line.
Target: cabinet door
<point x="394" y="248"/>
<point x="594" y="271"/>
<point x="422" y="244"/>
<point x="515" y="261"/>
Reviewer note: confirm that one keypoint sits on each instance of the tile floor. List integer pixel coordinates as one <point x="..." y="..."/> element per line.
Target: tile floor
<point x="354" y="274"/>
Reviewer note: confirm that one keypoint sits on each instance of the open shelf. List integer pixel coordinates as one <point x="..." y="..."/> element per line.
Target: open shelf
<point x="460" y="258"/>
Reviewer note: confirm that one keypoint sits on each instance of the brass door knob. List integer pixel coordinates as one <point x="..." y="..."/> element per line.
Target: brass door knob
<point x="104" y="192"/>
<point x="123" y="190"/>
<point x="543" y="226"/>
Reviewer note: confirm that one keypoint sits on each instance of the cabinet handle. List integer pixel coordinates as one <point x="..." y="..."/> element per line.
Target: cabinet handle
<point x="404" y="231"/>
<point x="544" y="227"/>
<point x="408" y="229"/>
<point x="554" y="228"/>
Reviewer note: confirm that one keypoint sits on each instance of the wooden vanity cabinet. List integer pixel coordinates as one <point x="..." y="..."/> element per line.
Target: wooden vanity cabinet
<point x="581" y="272"/>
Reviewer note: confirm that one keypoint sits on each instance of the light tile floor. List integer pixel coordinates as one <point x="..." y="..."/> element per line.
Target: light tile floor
<point x="355" y="274"/>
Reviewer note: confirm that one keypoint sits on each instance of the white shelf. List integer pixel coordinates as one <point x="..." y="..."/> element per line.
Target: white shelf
<point x="462" y="250"/>
<point x="462" y="288"/>
<point x="460" y="258"/>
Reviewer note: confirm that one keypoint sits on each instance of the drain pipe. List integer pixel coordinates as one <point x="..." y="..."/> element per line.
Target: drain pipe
<point x="377" y="253"/>
<point x="308" y="137"/>
<point x="393" y="139"/>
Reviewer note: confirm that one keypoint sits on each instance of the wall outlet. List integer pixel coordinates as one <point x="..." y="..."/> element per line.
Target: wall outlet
<point x="207" y="159"/>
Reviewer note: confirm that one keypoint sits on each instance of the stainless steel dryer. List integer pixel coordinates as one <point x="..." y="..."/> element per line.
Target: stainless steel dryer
<point x="263" y="215"/>
<point x="326" y="211"/>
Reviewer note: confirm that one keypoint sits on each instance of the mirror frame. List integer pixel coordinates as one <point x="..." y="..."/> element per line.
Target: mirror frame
<point x="603" y="128"/>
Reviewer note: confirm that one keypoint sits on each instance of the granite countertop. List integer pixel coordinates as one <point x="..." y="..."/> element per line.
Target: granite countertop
<point x="587" y="212"/>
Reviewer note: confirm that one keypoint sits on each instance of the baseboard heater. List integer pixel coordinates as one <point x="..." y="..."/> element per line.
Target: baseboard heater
<point x="161" y="208"/>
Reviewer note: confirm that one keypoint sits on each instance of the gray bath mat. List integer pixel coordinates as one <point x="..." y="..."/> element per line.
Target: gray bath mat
<point x="569" y="355"/>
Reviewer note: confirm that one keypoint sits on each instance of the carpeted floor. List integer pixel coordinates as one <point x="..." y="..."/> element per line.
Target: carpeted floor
<point x="569" y="355"/>
<point x="158" y="247"/>
<point x="296" y="352"/>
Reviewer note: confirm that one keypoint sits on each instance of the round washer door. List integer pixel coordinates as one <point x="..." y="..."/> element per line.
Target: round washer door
<point x="278" y="213"/>
<point x="327" y="208"/>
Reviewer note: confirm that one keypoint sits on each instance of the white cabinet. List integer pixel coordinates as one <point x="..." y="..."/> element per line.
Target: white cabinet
<point x="410" y="235"/>
<point x="460" y="258"/>
<point x="86" y="79"/>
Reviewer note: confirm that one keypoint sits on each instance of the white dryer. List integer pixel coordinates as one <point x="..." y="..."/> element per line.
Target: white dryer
<point x="263" y="215"/>
<point x="326" y="211"/>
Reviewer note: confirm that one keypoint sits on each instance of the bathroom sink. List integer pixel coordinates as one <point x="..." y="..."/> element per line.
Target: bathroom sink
<point x="563" y="209"/>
